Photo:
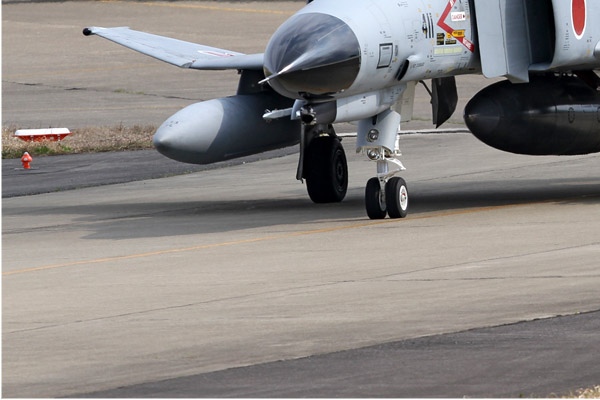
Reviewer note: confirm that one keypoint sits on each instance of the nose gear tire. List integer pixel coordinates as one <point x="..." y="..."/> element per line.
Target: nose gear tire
<point x="374" y="202"/>
<point x="396" y="197"/>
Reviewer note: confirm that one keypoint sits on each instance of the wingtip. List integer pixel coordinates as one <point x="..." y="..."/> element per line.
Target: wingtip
<point x="98" y="30"/>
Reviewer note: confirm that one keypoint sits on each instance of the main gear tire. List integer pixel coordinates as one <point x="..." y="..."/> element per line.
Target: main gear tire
<point x="326" y="170"/>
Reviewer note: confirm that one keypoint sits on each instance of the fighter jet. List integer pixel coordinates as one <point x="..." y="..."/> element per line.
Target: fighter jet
<point x="359" y="61"/>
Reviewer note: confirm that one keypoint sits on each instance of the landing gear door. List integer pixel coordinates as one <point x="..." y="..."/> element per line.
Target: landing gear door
<point x="405" y="105"/>
<point x="503" y="44"/>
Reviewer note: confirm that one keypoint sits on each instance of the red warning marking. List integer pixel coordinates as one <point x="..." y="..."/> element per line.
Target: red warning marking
<point x="442" y="24"/>
<point x="215" y="53"/>
<point x="578" y="15"/>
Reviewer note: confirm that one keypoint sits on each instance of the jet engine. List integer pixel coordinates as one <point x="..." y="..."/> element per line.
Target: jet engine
<point x="550" y="115"/>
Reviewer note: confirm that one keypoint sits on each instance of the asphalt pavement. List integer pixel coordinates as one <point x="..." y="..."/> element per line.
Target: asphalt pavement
<point x="479" y="363"/>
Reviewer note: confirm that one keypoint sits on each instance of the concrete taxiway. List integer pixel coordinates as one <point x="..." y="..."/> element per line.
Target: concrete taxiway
<point x="224" y="282"/>
<point x="126" y="284"/>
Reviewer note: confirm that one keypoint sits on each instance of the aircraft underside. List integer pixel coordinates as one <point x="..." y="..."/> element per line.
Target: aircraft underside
<point x="360" y="63"/>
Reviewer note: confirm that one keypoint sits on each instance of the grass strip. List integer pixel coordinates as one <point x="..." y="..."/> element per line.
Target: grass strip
<point x="82" y="140"/>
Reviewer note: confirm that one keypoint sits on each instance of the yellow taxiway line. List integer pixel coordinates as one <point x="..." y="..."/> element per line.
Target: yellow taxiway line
<point x="272" y="237"/>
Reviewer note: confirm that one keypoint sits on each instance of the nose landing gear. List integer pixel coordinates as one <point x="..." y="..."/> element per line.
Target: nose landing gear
<point x="386" y="196"/>
<point x="386" y="193"/>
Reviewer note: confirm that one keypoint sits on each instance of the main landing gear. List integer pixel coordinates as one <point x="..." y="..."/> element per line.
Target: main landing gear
<point x="323" y="165"/>
<point x="327" y="172"/>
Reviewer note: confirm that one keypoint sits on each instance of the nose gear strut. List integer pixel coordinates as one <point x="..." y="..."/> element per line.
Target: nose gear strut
<point x="385" y="193"/>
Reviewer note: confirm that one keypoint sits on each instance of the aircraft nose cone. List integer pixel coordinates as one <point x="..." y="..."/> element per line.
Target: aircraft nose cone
<point x="312" y="55"/>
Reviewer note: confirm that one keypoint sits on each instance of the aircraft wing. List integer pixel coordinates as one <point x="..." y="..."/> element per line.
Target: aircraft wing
<point x="178" y="52"/>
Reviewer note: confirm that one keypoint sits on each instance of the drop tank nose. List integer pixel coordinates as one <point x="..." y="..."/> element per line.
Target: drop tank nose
<point x="483" y="116"/>
<point x="312" y="55"/>
<point x="547" y="116"/>
<point x="221" y="129"/>
<point x="190" y="133"/>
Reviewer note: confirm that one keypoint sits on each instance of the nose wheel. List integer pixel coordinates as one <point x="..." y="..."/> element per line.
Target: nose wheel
<point x="396" y="197"/>
<point x="389" y="198"/>
<point x="375" y="200"/>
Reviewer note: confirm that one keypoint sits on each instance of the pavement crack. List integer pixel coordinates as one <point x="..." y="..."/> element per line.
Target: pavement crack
<point x="484" y="261"/>
<point x="501" y="278"/>
<point x="281" y="292"/>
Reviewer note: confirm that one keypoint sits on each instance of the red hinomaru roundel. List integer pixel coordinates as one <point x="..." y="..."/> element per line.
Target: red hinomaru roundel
<point x="578" y="15"/>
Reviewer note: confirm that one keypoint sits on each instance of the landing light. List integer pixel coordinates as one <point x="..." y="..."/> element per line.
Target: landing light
<point x="374" y="154"/>
<point x="373" y="135"/>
